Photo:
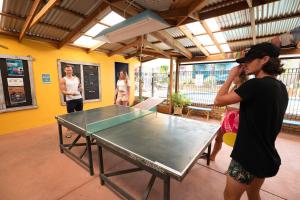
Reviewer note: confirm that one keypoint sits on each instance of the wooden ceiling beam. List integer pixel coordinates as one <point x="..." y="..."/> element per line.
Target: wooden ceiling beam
<point x="171" y="14"/>
<point x="43" y="11"/>
<point x="252" y="20"/>
<point x="189" y="35"/>
<point x="195" y="6"/>
<point x="146" y="59"/>
<point x="169" y="40"/>
<point x="29" y="19"/>
<point x="90" y="18"/>
<point x="208" y="31"/>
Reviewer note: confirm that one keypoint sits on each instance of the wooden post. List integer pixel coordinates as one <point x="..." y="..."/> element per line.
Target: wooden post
<point x="140" y="82"/>
<point x="177" y="77"/>
<point x="171" y="85"/>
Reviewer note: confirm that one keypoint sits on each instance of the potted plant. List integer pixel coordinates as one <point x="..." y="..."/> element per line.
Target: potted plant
<point x="178" y="102"/>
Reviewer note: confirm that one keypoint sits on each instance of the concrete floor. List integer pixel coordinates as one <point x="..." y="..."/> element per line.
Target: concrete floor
<point x="32" y="168"/>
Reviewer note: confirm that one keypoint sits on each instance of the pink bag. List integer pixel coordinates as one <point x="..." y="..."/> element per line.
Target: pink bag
<point x="230" y="122"/>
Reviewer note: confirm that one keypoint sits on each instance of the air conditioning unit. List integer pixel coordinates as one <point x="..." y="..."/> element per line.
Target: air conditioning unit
<point x="143" y="23"/>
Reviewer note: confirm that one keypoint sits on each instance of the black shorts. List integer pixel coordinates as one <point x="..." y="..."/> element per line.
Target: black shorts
<point x="74" y="105"/>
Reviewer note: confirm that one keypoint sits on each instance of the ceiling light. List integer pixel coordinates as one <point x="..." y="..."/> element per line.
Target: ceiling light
<point x="212" y="49"/>
<point x="196" y="28"/>
<point x="112" y="18"/>
<point x="141" y="24"/>
<point x="220" y="37"/>
<point x="97" y="28"/>
<point x="85" y="41"/>
<point x="205" y="40"/>
<point x="212" y="24"/>
<point x="225" y="47"/>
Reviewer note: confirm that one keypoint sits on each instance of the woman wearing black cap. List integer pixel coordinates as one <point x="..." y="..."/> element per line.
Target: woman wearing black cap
<point x="263" y="102"/>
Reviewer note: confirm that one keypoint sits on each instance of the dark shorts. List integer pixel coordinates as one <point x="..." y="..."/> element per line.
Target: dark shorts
<point x="238" y="173"/>
<point x="74" y="105"/>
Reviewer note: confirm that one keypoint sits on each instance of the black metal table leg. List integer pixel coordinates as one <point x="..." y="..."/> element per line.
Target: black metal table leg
<point x="208" y="154"/>
<point x="167" y="188"/>
<point x="101" y="165"/>
<point x="60" y="137"/>
<point x="90" y="157"/>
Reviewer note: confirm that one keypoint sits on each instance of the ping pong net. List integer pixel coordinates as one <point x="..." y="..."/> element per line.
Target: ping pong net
<point x="95" y="127"/>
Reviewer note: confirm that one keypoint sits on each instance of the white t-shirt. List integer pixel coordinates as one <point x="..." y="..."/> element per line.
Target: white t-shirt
<point x="122" y="86"/>
<point x="72" y="86"/>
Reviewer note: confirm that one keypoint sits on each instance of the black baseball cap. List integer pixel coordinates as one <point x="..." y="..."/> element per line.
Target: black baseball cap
<point x="259" y="51"/>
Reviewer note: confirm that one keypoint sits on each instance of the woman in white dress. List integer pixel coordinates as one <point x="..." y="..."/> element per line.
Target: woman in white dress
<point x="122" y="93"/>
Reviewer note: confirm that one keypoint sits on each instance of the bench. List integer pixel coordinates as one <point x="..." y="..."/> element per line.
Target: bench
<point x="206" y="110"/>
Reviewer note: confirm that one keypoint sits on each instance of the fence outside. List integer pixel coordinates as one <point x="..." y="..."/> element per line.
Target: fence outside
<point x="202" y="86"/>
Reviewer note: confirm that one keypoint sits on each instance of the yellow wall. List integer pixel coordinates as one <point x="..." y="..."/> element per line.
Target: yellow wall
<point x="47" y="95"/>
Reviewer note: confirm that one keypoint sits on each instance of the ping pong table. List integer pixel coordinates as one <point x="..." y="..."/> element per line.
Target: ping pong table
<point x="82" y="123"/>
<point x="163" y="145"/>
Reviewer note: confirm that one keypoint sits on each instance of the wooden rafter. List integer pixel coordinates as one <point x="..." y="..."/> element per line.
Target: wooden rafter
<point x="195" y="6"/>
<point x="29" y="18"/>
<point x="171" y="14"/>
<point x="169" y="40"/>
<point x="189" y="35"/>
<point x="43" y="11"/>
<point x="90" y="18"/>
<point x="208" y="31"/>
<point x="132" y="44"/>
<point x="252" y="20"/>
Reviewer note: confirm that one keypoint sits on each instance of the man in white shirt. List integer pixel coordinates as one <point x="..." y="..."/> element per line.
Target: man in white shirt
<point x="70" y="86"/>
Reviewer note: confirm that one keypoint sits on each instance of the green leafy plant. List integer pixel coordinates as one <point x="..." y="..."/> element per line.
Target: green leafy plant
<point x="179" y="100"/>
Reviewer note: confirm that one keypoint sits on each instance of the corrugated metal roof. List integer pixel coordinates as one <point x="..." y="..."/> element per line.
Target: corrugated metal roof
<point x="150" y="38"/>
<point x="238" y="34"/>
<point x="186" y="42"/>
<point x="174" y="32"/>
<point x="17" y="7"/>
<point x="162" y="46"/>
<point x="11" y="24"/>
<point x="84" y="7"/>
<point x="232" y="19"/>
<point x="157" y="5"/>
<point x="277" y="8"/>
<point x="277" y="27"/>
<point x="285" y="13"/>
<point x="47" y="32"/>
<point x="55" y="17"/>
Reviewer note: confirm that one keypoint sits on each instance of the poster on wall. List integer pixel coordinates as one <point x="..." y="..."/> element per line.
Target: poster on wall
<point x="46" y="78"/>
<point x="15" y="82"/>
<point x="16" y="95"/>
<point x="14" y="67"/>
